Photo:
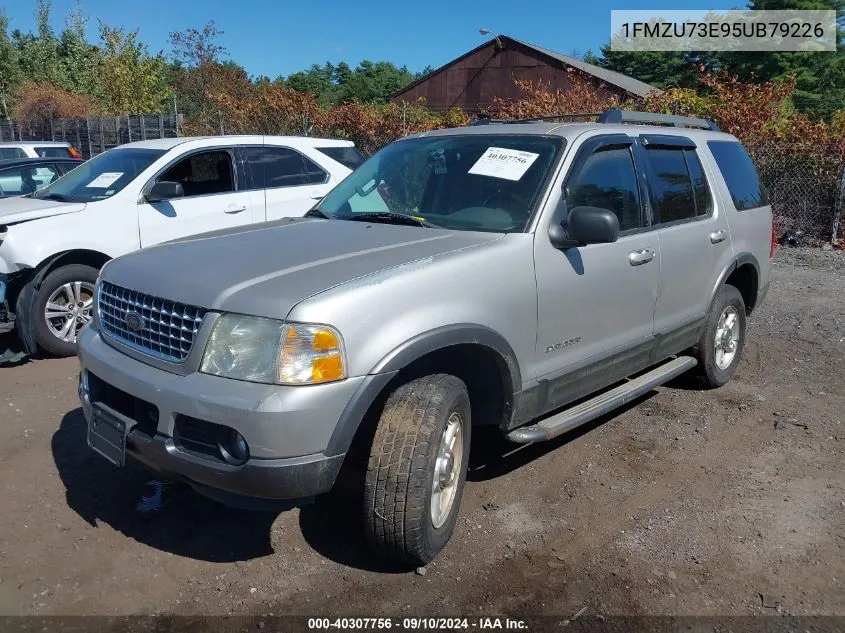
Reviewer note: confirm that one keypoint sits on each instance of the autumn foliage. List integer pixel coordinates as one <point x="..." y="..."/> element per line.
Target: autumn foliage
<point x="43" y="102"/>
<point x="750" y="111"/>
<point x="540" y="100"/>
<point x="268" y="108"/>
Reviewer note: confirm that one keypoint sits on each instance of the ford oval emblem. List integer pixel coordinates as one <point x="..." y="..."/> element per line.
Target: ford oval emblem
<point x="134" y="321"/>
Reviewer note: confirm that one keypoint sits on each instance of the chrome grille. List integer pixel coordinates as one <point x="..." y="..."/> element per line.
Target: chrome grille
<point x="169" y="328"/>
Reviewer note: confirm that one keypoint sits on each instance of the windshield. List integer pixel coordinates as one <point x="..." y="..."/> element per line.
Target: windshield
<point x="102" y="176"/>
<point x="473" y="182"/>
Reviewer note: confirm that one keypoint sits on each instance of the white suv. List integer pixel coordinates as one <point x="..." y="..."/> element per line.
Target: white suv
<point x="13" y="150"/>
<point x="54" y="242"/>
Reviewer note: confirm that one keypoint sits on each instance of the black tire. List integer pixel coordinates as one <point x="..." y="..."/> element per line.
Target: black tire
<point x="708" y="369"/>
<point x="44" y="337"/>
<point x="401" y="467"/>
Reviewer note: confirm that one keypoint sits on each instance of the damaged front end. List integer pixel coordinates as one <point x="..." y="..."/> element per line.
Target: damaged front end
<point x="16" y="302"/>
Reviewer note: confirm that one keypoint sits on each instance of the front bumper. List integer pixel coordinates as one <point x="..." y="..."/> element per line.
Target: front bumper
<point x="288" y="429"/>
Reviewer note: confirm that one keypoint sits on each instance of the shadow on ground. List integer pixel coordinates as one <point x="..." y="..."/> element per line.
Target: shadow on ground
<point x="188" y="525"/>
<point x="192" y="526"/>
<point x="493" y="456"/>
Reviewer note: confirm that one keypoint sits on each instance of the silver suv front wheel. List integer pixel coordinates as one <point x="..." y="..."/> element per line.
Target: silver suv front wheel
<point x="417" y="468"/>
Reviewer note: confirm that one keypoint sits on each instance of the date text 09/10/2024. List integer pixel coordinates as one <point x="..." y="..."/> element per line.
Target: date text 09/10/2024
<point x="416" y="623"/>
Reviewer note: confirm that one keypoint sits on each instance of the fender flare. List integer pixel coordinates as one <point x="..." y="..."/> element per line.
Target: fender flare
<point x="446" y="336"/>
<point x="740" y="259"/>
<point x="411" y="350"/>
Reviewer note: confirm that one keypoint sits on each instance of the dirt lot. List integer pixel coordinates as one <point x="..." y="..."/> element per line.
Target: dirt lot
<point x="728" y="502"/>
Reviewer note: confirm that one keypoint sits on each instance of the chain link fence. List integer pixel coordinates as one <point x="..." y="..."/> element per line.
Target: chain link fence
<point x="806" y="187"/>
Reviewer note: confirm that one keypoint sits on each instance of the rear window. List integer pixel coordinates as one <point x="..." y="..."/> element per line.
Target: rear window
<point x="53" y="151"/>
<point x="10" y="153"/>
<point x="346" y="156"/>
<point x="747" y="192"/>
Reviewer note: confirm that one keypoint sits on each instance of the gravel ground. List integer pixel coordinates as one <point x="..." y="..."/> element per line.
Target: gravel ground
<point x="726" y="502"/>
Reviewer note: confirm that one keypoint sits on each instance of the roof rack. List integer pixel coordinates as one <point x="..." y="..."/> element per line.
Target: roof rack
<point x="617" y="116"/>
<point x="535" y="119"/>
<point x="629" y="116"/>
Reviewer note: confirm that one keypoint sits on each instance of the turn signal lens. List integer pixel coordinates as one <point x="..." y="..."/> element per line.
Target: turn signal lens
<point x="311" y="354"/>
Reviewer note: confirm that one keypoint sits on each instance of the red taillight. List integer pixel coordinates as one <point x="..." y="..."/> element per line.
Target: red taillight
<point x="774" y="244"/>
<point x="72" y="151"/>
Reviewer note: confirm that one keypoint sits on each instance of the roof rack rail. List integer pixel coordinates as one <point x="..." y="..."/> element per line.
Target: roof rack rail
<point x="629" y="116"/>
<point x="617" y="116"/>
<point x="536" y="119"/>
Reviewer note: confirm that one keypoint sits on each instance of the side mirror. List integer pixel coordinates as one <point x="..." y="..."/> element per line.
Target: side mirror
<point x="164" y="190"/>
<point x="585" y="225"/>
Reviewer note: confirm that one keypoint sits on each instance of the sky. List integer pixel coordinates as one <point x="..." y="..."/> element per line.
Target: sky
<point x="278" y="38"/>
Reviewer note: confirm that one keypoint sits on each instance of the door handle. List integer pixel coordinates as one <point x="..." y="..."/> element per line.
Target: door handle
<point x="235" y="208"/>
<point x="641" y="256"/>
<point x="718" y="236"/>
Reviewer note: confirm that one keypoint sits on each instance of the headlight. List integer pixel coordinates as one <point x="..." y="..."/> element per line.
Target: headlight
<point x="270" y="351"/>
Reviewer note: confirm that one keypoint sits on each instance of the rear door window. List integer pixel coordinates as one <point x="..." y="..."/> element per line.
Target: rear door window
<point x="747" y="192"/>
<point x="347" y="156"/>
<point x="53" y="151"/>
<point x="274" y="167"/>
<point x="701" y="192"/>
<point x="671" y="185"/>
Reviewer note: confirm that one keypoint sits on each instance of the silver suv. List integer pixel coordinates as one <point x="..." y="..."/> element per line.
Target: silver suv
<point x="527" y="276"/>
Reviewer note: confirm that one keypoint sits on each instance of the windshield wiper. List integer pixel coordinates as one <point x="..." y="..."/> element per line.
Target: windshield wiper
<point x="316" y="213"/>
<point x="59" y="197"/>
<point x="391" y="218"/>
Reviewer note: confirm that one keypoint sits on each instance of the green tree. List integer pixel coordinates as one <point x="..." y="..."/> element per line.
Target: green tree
<point x="133" y="81"/>
<point x="662" y="69"/>
<point x="10" y="75"/>
<point x="318" y="80"/>
<point x="369" y="82"/>
<point x="79" y="60"/>
<point x="820" y="87"/>
<point x="196" y="47"/>
<point x="374" y="82"/>
<point x="38" y="54"/>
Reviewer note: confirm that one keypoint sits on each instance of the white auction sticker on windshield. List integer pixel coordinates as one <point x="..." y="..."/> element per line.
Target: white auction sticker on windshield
<point x="498" y="162"/>
<point x="105" y="179"/>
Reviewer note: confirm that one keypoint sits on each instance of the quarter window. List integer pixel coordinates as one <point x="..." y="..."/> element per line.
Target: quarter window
<point x="9" y="153"/>
<point x="273" y="167"/>
<point x="740" y="176"/>
<point x="608" y="180"/>
<point x="346" y="155"/>
<point x="203" y="173"/>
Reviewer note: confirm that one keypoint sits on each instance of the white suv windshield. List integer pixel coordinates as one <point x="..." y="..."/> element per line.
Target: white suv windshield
<point x="101" y="177"/>
<point x="472" y="182"/>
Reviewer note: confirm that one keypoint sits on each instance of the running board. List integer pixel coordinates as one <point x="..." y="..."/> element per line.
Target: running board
<point x="599" y="405"/>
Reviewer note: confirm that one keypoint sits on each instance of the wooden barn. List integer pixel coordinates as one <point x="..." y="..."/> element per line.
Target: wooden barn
<point x="472" y="80"/>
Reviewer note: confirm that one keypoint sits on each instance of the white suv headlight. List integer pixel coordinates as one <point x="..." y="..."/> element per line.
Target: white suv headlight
<point x="269" y="351"/>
